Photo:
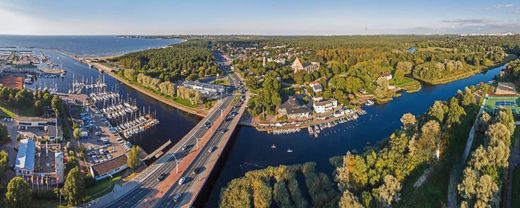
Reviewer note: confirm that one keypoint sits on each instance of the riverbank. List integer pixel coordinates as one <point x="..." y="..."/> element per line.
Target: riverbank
<point x="110" y="71"/>
<point x="105" y="69"/>
<point x="509" y="58"/>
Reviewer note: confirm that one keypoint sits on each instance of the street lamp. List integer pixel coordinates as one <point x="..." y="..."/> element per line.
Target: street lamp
<point x="176" y="163"/>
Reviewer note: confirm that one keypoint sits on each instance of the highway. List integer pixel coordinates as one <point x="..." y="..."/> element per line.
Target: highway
<point x="192" y="171"/>
<point x="147" y="187"/>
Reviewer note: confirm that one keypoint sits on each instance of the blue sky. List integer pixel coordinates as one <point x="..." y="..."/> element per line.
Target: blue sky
<point x="267" y="17"/>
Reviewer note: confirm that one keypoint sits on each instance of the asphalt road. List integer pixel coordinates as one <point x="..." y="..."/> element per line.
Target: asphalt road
<point x="147" y="187"/>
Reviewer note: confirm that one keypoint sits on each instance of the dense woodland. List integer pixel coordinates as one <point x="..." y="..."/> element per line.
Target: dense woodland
<point x="190" y="60"/>
<point x="353" y="63"/>
<point x="282" y="186"/>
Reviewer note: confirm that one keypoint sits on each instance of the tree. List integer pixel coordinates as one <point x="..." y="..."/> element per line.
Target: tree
<point x="38" y="107"/>
<point x="4" y="163"/>
<point x="468" y="98"/>
<point x="133" y="157"/>
<point x="56" y="104"/>
<point x="348" y="200"/>
<point x="389" y="191"/>
<point x="455" y="112"/>
<point x="4" y="134"/>
<point x="408" y="120"/>
<point x="438" y="110"/>
<point x="18" y="193"/>
<point x="74" y="187"/>
<point x="483" y="121"/>
<point x="76" y="133"/>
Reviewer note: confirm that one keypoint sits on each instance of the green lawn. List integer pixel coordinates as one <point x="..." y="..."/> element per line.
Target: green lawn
<point x="102" y="187"/>
<point x="10" y="112"/>
<point x="491" y="103"/>
<point x="41" y="203"/>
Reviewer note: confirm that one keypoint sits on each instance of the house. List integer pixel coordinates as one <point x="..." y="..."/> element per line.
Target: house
<point x="325" y="105"/>
<point x="109" y="168"/>
<point x="25" y="158"/>
<point x="386" y="75"/>
<point x="316" y="87"/>
<point x="294" y="109"/>
<point x="307" y="67"/>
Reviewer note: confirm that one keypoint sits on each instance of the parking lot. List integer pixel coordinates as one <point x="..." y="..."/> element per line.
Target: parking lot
<point x="99" y="142"/>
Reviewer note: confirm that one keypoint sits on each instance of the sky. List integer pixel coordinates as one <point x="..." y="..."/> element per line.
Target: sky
<point x="257" y="17"/>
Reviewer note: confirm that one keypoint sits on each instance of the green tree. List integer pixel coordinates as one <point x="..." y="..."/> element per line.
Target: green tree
<point x="4" y="134"/>
<point x="133" y="157"/>
<point x="348" y="200"/>
<point x="438" y="110"/>
<point x="76" y="133"/>
<point x="389" y="191"/>
<point x="468" y="98"/>
<point x="74" y="187"/>
<point x="38" y="107"/>
<point x="4" y="163"/>
<point x="56" y="104"/>
<point x="455" y="112"/>
<point x="18" y="193"/>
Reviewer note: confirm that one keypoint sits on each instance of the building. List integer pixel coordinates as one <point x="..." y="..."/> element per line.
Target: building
<point x="205" y="88"/>
<point x="25" y="158"/>
<point x="35" y="122"/>
<point x="386" y="75"/>
<point x="109" y="168"/>
<point x="325" y="106"/>
<point x="40" y="166"/>
<point x="294" y="109"/>
<point x="297" y="66"/>
<point x="316" y="87"/>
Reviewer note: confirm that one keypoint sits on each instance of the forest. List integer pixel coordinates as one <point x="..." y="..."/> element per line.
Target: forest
<point x="282" y="186"/>
<point x="190" y="60"/>
<point x="349" y="64"/>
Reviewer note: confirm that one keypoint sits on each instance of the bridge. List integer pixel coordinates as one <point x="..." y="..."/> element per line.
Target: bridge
<point x="192" y="159"/>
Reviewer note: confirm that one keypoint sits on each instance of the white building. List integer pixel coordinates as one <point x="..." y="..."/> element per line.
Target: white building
<point x="25" y="158"/>
<point x="316" y="87"/>
<point x="205" y="88"/>
<point x="325" y="106"/>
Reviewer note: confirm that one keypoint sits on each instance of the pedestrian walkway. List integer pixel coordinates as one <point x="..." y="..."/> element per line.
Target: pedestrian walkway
<point x="457" y="169"/>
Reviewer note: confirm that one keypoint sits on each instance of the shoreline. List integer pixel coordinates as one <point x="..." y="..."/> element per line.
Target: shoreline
<point x="160" y="98"/>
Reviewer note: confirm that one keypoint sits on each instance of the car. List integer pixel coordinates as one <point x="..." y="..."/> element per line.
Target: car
<point x="212" y="149"/>
<point x="177" y="197"/>
<point x="162" y="176"/>
<point x="182" y="180"/>
<point x="224" y="130"/>
<point x="207" y="124"/>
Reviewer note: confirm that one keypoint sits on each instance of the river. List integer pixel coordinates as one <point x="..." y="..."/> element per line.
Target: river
<point x="251" y="149"/>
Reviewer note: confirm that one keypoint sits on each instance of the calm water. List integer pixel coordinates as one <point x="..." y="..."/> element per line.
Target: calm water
<point x="174" y="124"/>
<point x="252" y="149"/>
<point x="85" y="45"/>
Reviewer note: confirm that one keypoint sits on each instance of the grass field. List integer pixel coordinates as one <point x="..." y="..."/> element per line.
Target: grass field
<point x="491" y="103"/>
<point x="102" y="187"/>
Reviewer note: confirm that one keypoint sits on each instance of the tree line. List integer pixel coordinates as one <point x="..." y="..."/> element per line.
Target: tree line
<point x="375" y="177"/>
<point x="280" y="187"/>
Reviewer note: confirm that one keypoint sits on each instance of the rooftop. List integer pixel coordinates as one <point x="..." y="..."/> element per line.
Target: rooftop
<point x="110" y="165"/>
<point x="26" y="154"/>
<point x="294" y="106"/>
